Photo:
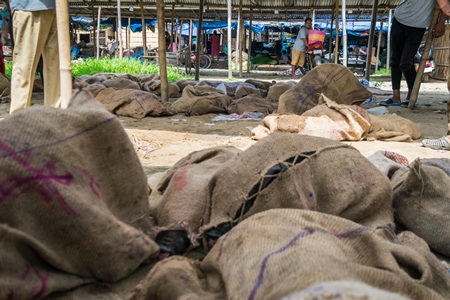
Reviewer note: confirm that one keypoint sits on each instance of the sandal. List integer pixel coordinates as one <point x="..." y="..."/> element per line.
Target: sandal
<point x="437" y="144"/>
<point x="388" y="102"/>
<point x="405" y="103"/>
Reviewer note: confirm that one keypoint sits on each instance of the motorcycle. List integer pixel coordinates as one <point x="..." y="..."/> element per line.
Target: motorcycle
<point x="314" y="54"/>
<point x="430" y="65"/>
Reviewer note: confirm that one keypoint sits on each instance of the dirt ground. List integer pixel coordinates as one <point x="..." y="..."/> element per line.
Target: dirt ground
<point x="163" y="141"/>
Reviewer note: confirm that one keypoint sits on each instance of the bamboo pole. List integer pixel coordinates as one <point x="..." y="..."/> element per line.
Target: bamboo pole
<point x="380" y="36"/>
<point x="65" y="67"/>
<point x="388" y="54"/>
<point x="370" y="45"/>
<point x="162" y="50"/>
<point x="330" y="39"/>
<point x="129" y="37"/>
<point x="250" y="41"/>
<point x="241" y="37"/>
<point x="119" y="29"/>
<point x="180" y="38"/>
<point x="199" y="41"/>
<point x="230" y="70"/>
<point x="423" y="60"/>
<point x="336" y="48"/>
<point x="98" y="32"/>
<point x="144" y="28"/>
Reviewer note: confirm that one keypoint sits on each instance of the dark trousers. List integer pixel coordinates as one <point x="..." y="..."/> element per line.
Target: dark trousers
<point x="405" y="41"/>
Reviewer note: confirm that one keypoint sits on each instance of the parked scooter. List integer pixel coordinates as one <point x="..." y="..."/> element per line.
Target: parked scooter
<point x="429" y="65"/>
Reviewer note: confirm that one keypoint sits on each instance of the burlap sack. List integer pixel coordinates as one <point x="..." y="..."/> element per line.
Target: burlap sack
<point x="322" y="126"/>
<point x="105" y="94"/>
<point x="147" y="77"/>
<point x="229" y="86"/>
<point x="132" y="103"/>
<point x="260" y="84"/>
<point x="422" y="201"/>
<point x="278" y="89"/>
<point x="282" y="251"/>
<point x="154" y="86"/>
<point x="95" y="88"/>
<point x="386" y="163"/>
<point x="244" y="90"/>
<point x="89" y="79"/>
<point x="209" y="95"/>
<point x="182" y="83"/>
<point x="393" y="128"/>
<point x="5" y="86"/>
<point x="38" y="87"/>
<point x="251" y="103"/>
<point x="74" y="200"/>
<point x="121" y="84"/>
<point x="333" y="80"/>
<point x="185" y="189"/>
<point x="299" y="171"/>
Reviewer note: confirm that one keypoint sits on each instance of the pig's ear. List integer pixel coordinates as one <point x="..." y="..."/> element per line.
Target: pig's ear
<point x="81" y="97"/>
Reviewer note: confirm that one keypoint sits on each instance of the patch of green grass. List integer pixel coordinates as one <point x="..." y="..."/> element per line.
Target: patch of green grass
<point x="383" y="71"/>
<point x="232" y="79"/>
<point x="93" y="66"/>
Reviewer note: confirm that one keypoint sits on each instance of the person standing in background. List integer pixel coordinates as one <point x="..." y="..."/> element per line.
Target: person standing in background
<point x="411" y="18"/>
<point x="35" y="34"/>
<point x="215" y="44"/>
<point x="300" y="48"/>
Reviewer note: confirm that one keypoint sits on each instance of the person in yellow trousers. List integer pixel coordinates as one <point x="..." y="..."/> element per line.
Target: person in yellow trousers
<point x="35" y="33"/>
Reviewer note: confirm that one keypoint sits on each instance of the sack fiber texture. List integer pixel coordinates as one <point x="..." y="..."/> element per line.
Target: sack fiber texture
<point x="73" y="200"/>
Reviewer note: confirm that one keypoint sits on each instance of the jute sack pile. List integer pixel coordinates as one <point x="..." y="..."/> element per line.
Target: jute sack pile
<point x="296" y="171"/>
<point x="281" y="251"/>
<point x="121" y="83"/>
<point x="95" y="88"/>
<point x="182" y="83"/>
<point x="422" y="201"/>
<point x="74" y="200"/>
<point x="5" y="86"/>
<point x="198" y="100"/>
<point x="251" y="103"/>
<point x="261" y="84"/>
<point x="229" y="86"/>
<point x="335" y="81"/>
<point x="278" y="89"/>
<point x="244" y="90"/>
<point x="393" y="128"/>
<point x="185" y="190"/>
<point x="154" y="86"/>
<point x="146" y="77"/>
<point x="132" y="103"/>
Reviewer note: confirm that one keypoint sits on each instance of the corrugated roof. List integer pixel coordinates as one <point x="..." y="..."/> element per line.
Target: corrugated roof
<point x="261" y="10"/>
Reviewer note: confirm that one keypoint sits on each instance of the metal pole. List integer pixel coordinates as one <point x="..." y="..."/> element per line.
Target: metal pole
<point x="371" y="34"/>
<point x="230" y="70"/>
<point x="250" y="41"/>
<point x="65" y="67"/>
<point x="388" y="54"/>
<point x="241" y="37"/>
<point x="119" y="28"/>
<point x="344" y="34"/>
<point x="336" y="48"/>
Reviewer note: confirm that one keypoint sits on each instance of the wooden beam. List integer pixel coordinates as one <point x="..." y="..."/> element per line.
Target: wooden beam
<point x="162" y="51"/>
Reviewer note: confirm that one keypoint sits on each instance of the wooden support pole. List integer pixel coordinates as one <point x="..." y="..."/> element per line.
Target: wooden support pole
<point x="371" y="34"/>
<point x="172" y="31"/>
<point x="229" y="13"/>
<point x="330" y="39"/>
<point x="423" y="60"/>
<point x="388" y="54"/>
<point x="65" y="66"/>
<point x="119" y="29"/>
<point x="199" y="41"/>
<point x="162" y="50"/>
<point x="250" y="41"/>
<point x="144" y="28"/>
<point x="129" y="37"/>
<point x="98" y="32"/>
<point x="380" y="36"/>
<point x="93" y="26"/>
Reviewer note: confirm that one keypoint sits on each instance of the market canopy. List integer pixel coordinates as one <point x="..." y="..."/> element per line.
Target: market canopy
<point x="216" y="10"/>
